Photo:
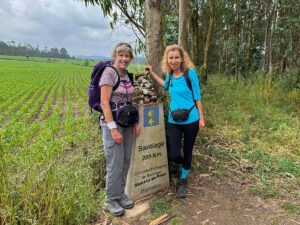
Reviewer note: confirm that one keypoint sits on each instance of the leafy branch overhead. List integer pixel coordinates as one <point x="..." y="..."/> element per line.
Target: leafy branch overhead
<point x="231" y="37"/>
<point x="128" y="12"/>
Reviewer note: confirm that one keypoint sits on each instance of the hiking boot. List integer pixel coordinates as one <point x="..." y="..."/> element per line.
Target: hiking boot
<point x="182" y="188"/>
<point x="125" y="202"/>
<point x="113" y="207"/>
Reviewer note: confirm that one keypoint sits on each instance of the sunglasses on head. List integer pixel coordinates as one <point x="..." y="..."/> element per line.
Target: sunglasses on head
<point x="123" y="43"/>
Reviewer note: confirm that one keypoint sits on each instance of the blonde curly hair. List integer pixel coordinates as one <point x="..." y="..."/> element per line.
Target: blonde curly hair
<point x="186" y="60"/>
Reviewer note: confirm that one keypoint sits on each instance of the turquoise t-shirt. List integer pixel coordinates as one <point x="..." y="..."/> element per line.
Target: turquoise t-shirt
<point x="182" y="97"/>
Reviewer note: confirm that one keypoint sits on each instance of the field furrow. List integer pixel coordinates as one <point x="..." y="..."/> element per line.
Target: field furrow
<point x="83" y="92"/>
<point x="46" y="105"/>
<point x="16" y="98"/>
<point x="28" y="108"/>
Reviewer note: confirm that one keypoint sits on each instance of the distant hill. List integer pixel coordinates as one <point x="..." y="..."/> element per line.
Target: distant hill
<point x="93" y="57"/>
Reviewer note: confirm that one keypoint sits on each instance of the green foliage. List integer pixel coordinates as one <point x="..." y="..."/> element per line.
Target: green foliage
<point x="136" y="68"/>
<point x="159" y="207"/>
<point x="28" y="50"/>
<point x="50" y="147"/>
<point x="269" y="191"/>
<point x="252" y="131"/>
<point x="86" y="62"/>
<point x="176" y="221"/>
<point x="124" y="13"/>
<point x="291" y="207"/>
<point x="171" y="28"/>
<point x="52" y="165"/>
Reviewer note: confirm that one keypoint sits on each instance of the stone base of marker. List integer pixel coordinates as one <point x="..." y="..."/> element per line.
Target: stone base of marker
<point x="148" y="172"/>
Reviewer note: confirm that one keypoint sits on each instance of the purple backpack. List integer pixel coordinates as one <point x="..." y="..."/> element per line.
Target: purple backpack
<point x="94" y="90"/>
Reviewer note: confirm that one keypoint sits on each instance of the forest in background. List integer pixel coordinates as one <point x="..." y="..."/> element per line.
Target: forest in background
<point x="236" y="37"/>
<point x="10" y="48"/>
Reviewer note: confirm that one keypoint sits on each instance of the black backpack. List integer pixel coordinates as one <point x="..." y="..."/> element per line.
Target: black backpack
<point x="94" y="90"/>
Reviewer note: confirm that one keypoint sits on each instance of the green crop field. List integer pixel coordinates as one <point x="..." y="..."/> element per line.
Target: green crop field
<point x="51" y="158"/>
<point x="46" y="134"/>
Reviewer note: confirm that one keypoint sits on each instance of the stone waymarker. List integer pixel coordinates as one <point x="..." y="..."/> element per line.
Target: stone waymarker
<point x="148" y="172"/>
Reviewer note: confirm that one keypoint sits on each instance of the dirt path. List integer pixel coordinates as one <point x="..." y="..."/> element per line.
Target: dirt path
<point x="214" y="202"/>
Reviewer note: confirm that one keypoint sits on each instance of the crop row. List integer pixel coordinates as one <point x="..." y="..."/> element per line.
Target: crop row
<point x="44" y="119"/>
<point x="47" y="111"/>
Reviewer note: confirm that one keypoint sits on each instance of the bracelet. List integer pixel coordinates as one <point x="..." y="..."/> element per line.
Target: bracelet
<point x="112" y="125"/>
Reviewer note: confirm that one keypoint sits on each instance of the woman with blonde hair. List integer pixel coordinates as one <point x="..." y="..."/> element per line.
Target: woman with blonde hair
<point x="186" y="110"/>
<point x="117" y="139"/>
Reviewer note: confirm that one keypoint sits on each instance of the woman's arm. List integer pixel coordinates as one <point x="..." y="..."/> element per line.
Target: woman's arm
<point x="200" y="110"/>
<point x="157" y="78"/>
<point x="106" y="92"/>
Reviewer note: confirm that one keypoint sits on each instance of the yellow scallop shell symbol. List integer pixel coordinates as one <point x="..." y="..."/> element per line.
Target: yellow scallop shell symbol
<point x="150" y="113"/>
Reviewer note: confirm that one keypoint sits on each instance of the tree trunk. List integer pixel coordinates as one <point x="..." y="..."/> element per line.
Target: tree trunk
<point x="250" y="46"/>
<point x="237" y="39"/>
<point x="195" y="30"/>
<point x="299" y="41"/>
<point x="266" y="61"/>
<point x="273" y="22"/>
<point x="283" y="59"/>
<point x="184" y="24"/>
<point x="220" y="42"/>
<point x="208" y="40"/>
<point x="154" y="36"/>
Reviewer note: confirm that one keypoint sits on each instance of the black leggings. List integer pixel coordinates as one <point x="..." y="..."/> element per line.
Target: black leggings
<point x="189" y="133"/>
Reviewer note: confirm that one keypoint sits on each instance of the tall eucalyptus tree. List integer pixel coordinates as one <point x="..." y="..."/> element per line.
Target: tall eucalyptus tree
<point x="208" y="40"/>
<point x="145" y="18"/>
<point x="184" y="20"/>
<point x="154" y="35"/>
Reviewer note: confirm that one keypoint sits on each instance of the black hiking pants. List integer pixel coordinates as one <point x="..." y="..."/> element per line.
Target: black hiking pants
<point x="188" y="132"/>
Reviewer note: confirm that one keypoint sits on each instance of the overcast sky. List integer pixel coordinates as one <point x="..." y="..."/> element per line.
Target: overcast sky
<point x="60" y="23"/>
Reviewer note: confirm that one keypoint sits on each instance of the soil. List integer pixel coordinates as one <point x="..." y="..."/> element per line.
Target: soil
<point x="214" y="202"/>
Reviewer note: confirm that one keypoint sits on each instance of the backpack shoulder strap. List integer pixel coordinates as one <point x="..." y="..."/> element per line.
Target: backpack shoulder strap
<point x="118" y="77"/>
<point x="130" y="75"/>
<point x="187" y="80"/>
<point x="170" y="77"/>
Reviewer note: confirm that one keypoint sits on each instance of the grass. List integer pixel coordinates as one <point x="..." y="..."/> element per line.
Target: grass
<point x="291" y="208"/>
<point x="48" y="146"/>
<point x="52" y="165"/>
<point x="159" y="207"/>
<point x="257" y="124"/>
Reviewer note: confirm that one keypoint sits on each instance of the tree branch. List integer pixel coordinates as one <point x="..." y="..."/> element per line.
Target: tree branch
<point x="125" y="12"/>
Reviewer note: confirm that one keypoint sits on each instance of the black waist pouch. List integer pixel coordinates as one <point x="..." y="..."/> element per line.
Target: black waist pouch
<point x="126" y="116"/>
<point x="180" y="115"/>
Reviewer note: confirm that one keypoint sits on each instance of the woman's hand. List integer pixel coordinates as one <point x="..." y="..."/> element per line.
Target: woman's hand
<point x="202" y="123"/>
<point x="116" y="136"/>
<point x="136" y="129"/>
<point x="149" y="69"/>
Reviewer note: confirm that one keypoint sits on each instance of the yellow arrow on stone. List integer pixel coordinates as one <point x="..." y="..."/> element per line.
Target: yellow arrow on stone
<point x="151" y="121"/>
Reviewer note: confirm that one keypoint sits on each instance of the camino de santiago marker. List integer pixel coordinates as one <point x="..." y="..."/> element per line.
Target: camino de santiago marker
<point x="148" y="172"/>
